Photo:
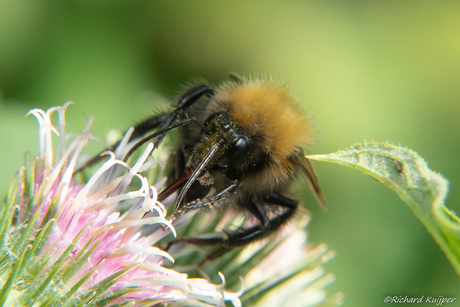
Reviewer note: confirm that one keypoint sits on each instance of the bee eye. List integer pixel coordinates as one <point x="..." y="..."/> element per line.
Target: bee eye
<point x="236" y="153"/>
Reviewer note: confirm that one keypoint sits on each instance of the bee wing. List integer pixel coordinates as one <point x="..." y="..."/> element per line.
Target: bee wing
<point x="313" y="181"/>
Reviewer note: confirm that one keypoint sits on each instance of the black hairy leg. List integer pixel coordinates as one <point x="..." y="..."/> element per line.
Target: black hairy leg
<point x="247" y="235"/>
<point x="159" y="122"/>
<point x="158" y="135"/>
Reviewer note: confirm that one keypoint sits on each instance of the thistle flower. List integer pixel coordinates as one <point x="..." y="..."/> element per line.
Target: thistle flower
<point x="65" y="242"/>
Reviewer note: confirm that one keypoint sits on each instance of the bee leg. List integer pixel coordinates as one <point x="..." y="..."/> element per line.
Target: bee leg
<point x="159" y="122"/>
<point x="255" y="233"/>
<point x="180" y="163"/>
<point x="205" y="203"/>
<point x="192" y="95"/>
<point x="158" y="135"/>
<point x="149" y="124"/>
<point x="181" y="104"/>
<point x="213" y="241"/>
<point x="248" y="235"/>
<point x="252" y="234"/>
<point x="209" y="202"/>
<point x="257" y="209"/>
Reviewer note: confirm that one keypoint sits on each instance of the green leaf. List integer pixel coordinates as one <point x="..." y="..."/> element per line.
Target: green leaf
<point x="406" y="173"/>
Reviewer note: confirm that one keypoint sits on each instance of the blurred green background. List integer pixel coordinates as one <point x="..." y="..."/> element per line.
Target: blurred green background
<point x="365" y="70"/>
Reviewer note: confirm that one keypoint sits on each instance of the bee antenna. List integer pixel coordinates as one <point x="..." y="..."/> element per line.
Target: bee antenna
<point x="197" y="172"/>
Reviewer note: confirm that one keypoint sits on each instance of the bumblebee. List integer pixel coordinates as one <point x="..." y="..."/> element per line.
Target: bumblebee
<point x="245" y="140"/>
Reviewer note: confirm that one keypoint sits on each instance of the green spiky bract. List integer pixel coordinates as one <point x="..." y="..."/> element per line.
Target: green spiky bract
<point x="27" y="278"/>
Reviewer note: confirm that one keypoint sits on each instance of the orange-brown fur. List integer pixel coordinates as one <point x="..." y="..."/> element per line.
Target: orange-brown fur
<point x="266" y="108"/>
<point x="268" y="111"/>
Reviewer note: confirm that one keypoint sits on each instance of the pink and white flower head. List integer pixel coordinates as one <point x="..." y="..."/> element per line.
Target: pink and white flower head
<point x="65" y="244"/>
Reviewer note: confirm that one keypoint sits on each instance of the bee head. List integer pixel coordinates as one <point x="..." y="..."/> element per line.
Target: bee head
<point x="235" y="143"/>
